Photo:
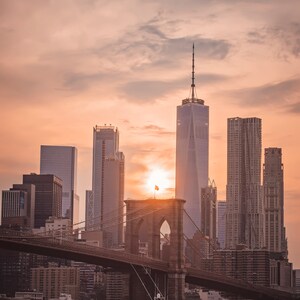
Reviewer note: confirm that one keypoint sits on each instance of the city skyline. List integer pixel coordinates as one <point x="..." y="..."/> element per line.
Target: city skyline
<point x="134" y="74"/>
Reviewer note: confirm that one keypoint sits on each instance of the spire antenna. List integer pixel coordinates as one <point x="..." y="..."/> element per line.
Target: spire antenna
<point x="193" y="74"/>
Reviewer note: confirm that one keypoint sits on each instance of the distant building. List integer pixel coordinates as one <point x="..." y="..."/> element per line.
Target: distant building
<point x="18" y="205"/>
<point x="108" y="185"/>
<point x="297" y="280"/>
<point x="48" y="197"/>
<point x="244" y="211"/>
<point x="209" y="211"/>
<point x="197" y="250"/>
<point x="117" y="286"/>
<point x="221" y="223"/>
<point x="29" y="295"/>
<point x="53" y="281"/>
<point x="15" y="269"/>
<point x="192" y="155"/>
<point x="14" y="208"/>
<point x="61" y="161"/>
<point x="260" y="267"/>
<point x="273" y="200"/>
<point x="56" y="227"/>
<point x="89" y="210"/>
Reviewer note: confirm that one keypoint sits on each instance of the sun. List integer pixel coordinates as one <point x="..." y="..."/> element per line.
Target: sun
<point x="158" y="181"/>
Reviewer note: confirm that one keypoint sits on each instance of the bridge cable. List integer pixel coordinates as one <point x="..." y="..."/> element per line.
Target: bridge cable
<point x="207" y="239"/>
<point x="156" y="286"/>
<point x="141" y="281"/>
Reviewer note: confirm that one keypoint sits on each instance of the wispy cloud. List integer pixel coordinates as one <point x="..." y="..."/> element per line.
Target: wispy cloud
<point x="293" y="108"/>
<point x="279" y="93"/>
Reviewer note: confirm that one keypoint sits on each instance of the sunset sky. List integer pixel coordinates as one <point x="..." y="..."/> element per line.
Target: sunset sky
<point x="68" y="65"/>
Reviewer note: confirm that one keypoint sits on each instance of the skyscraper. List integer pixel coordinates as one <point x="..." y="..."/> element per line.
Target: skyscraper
<point x="209" y="211"/>
<point x="221" y="223"/>
<point x="245" y="212"/>
<point x="61" y="161"/>
<point x="192" y="153"/>
<point x="108" y="183"/>
<point x="273" y="200"/>
<point x="48" y="197"/>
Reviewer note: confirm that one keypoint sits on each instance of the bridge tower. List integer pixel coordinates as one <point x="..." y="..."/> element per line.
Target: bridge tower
<point x="153" y="212"/>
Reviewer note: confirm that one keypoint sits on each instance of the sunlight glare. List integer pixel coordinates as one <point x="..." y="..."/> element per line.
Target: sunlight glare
<point x="159" y="178"/>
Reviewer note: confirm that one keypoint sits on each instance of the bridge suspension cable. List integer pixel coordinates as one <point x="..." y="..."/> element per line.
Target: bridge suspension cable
<point x="156" y="286"/>
<point x="136" y="272"/>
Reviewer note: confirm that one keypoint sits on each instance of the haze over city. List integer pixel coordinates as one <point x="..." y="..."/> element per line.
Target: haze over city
<point x="67" y="66"/>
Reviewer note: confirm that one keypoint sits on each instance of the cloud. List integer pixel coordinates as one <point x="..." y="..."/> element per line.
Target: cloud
<point x="279" y="93"/>
<point x="294" y="108"/>
<point x="152" y="90"/>
<point x="256" y="37"/>
<point x="284" y="36"/>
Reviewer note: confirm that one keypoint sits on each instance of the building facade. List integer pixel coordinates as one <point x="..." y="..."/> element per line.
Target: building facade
<point x="274" y="201"/>
<point x="61" y="161"/>
<point x="108" y="185"/>
<point x="245" y="211"/>
<point x="14" y="208"/>
<point x="53" y="281"/>
<point x="89" y="210"/>
<point x="192" y="155"/>
<point x="48" y="197"/>
<point x="209" y="211"/>
<point x="221" y="223"/>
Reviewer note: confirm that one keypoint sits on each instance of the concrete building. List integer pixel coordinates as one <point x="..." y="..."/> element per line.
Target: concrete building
<point x="53" y="281"/>
<point x="56" y="227"/>
<point x="273" y="200"/>
<point x="61" y="161"/>
<point x="192" y="154"/>
<point x="108" y="185"/>
<point x="245" y="211"/>
<point x="48" y="197"/>
<point x="221" y="223"/>
<point x="209" y="211"/>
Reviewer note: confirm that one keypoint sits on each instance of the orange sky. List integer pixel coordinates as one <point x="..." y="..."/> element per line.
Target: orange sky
<point x="68" y="65"/>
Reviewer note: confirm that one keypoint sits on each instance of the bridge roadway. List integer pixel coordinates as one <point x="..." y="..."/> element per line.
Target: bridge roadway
<point x="120" y="260"/>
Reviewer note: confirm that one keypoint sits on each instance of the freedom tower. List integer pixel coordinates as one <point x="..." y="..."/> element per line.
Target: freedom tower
<point x="192" y="154"/>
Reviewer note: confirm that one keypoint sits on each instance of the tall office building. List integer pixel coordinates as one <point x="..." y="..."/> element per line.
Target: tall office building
<point x="273" y="200"/>
<point x="48" y="197"/>
<point x="192" y="154"/>
<point x="108" y="184"/>
<point x="209" y="211"/>
<point x="221" y="223"/>
<point x="61" y="161"/>
<point x="245" y="212"/>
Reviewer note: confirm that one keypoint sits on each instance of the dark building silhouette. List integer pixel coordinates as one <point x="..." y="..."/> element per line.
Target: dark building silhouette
<point x="48" y="197"/>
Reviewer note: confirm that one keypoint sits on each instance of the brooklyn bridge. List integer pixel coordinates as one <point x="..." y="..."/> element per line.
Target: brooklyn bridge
<point x="149" y="275"/>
